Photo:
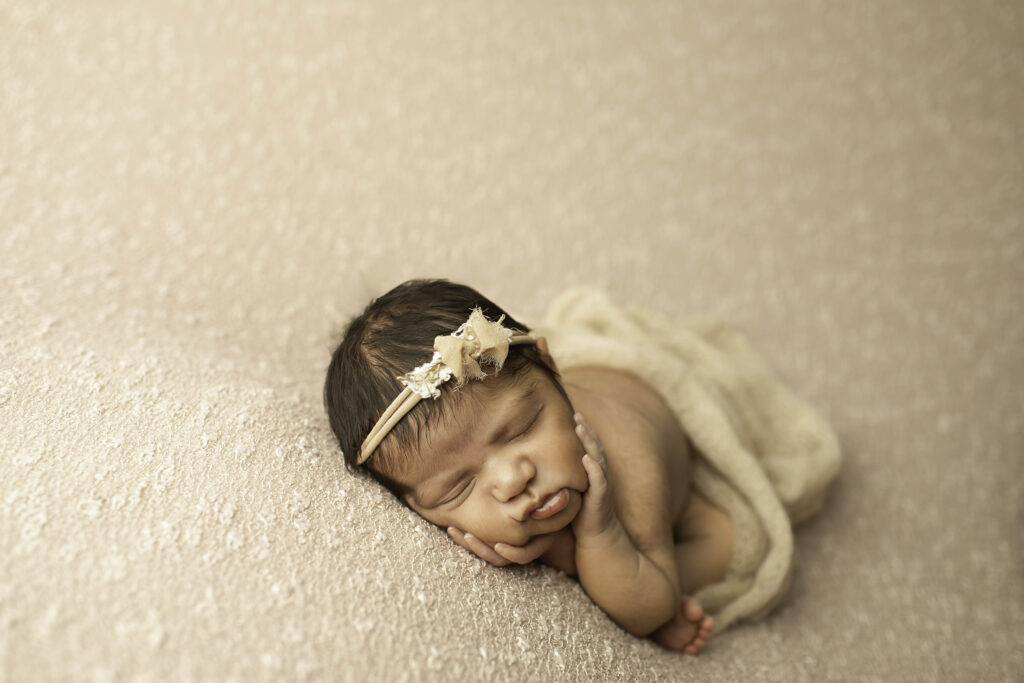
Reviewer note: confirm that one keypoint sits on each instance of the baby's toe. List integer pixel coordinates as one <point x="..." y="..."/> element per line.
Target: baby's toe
<point x="692" y="610"/>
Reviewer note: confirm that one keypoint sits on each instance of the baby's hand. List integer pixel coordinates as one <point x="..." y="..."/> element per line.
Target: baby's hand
<point x="597" y="515"/>
<point x="502" y="553"/>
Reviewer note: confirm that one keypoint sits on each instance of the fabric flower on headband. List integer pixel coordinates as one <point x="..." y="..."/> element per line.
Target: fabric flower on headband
<point x="460" y="355"/>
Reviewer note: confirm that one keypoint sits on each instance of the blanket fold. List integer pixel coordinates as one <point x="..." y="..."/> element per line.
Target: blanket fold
<point x="764" y="455"/>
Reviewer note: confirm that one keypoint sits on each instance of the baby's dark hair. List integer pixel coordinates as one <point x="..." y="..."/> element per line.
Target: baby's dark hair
<point x="392" y="336"/>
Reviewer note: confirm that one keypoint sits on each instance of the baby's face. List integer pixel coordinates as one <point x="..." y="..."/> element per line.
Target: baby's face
<point x="490" y="474"/>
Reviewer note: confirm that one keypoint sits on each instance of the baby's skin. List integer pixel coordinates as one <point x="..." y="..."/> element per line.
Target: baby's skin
<point x="528" y="478"/>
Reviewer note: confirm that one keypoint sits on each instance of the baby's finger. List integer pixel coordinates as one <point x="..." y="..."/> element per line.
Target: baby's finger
<point x="588" y="437"/>
<point x="581" y="420"/>
<point x="485" y="551"/>
<point x="477" y="547"/>
<point x="598" y="511"/>
<point x="522" y="554"/>
<point x="597" y="457"/>
<point x="595" y="473"/>
<point x="519" y="554"/>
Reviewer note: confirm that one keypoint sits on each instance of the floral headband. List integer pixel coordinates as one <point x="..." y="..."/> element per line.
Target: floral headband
<point x="458" y="355"/>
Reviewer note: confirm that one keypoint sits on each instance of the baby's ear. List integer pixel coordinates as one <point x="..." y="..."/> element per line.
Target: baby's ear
<point x="542" y="346"/>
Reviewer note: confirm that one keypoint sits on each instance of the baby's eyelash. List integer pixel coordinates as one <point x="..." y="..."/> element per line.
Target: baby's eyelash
<point x="458" y="494"/>
<point x="534" y="421"/>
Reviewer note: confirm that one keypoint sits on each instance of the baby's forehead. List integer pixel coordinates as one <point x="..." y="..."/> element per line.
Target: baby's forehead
<point x="476" y="406"/>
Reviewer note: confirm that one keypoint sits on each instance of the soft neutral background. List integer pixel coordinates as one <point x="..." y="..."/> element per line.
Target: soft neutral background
<point x="195" y="196"/>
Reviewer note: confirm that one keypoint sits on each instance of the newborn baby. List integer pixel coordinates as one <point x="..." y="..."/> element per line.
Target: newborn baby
<point x="454" y="407"/>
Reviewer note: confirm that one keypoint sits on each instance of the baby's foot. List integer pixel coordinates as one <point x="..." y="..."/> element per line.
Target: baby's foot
<point x="688" y="631"/>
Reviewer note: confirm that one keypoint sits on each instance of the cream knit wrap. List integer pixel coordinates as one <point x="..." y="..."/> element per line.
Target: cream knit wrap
<point x="765" y="455"/>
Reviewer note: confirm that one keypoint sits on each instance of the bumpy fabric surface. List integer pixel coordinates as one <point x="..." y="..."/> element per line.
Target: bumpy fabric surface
<point x="764" y="454"/>
<point x="195" y="196"/>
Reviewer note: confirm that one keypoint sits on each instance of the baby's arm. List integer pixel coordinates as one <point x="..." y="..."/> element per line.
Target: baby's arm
<point x="637" y="587"/>
<point x="637" y="584"/>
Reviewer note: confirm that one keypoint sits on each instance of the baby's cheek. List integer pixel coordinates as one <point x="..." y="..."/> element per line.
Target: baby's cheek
<point x="514" y="536"/>
<point x="491" y="530"/>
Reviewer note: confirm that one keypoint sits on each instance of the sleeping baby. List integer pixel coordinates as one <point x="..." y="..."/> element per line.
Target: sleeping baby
<point x="466" y="416"/>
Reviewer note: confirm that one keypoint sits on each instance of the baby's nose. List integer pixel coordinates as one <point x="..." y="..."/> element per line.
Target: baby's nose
<point x="513" y="477"/>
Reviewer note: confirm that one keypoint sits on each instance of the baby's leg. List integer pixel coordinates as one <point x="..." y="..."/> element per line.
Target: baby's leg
<point x="704" y="548"/>
<point x="703" y="554"/>
<point x="688" y="631"/>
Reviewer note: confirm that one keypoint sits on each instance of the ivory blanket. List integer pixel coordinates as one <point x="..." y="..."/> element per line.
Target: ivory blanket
<point x="765" y="455"/>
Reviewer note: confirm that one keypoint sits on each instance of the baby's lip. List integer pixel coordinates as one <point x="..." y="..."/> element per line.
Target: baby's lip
<point x="549" y="505"/>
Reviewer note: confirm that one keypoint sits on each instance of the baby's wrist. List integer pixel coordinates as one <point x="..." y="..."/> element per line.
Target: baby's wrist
<point x="613" y="535"/>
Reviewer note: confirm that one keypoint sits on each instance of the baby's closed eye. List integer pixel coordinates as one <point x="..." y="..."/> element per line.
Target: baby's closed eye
<point x="457" y="493"/>
<point x="529" y="426"/>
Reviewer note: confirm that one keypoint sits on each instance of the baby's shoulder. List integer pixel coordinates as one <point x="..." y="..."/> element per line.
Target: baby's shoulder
<point x="647" y="449"/>
<point x="623" y="409"/>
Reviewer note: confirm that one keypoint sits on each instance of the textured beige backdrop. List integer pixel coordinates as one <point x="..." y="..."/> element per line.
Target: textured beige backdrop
<point x="194" y="196"/>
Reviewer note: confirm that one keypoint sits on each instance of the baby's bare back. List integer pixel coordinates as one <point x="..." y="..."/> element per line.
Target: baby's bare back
<point x="647" y="447"/>
<point x="649" y="471"/>
<point x="645" y="444"/>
